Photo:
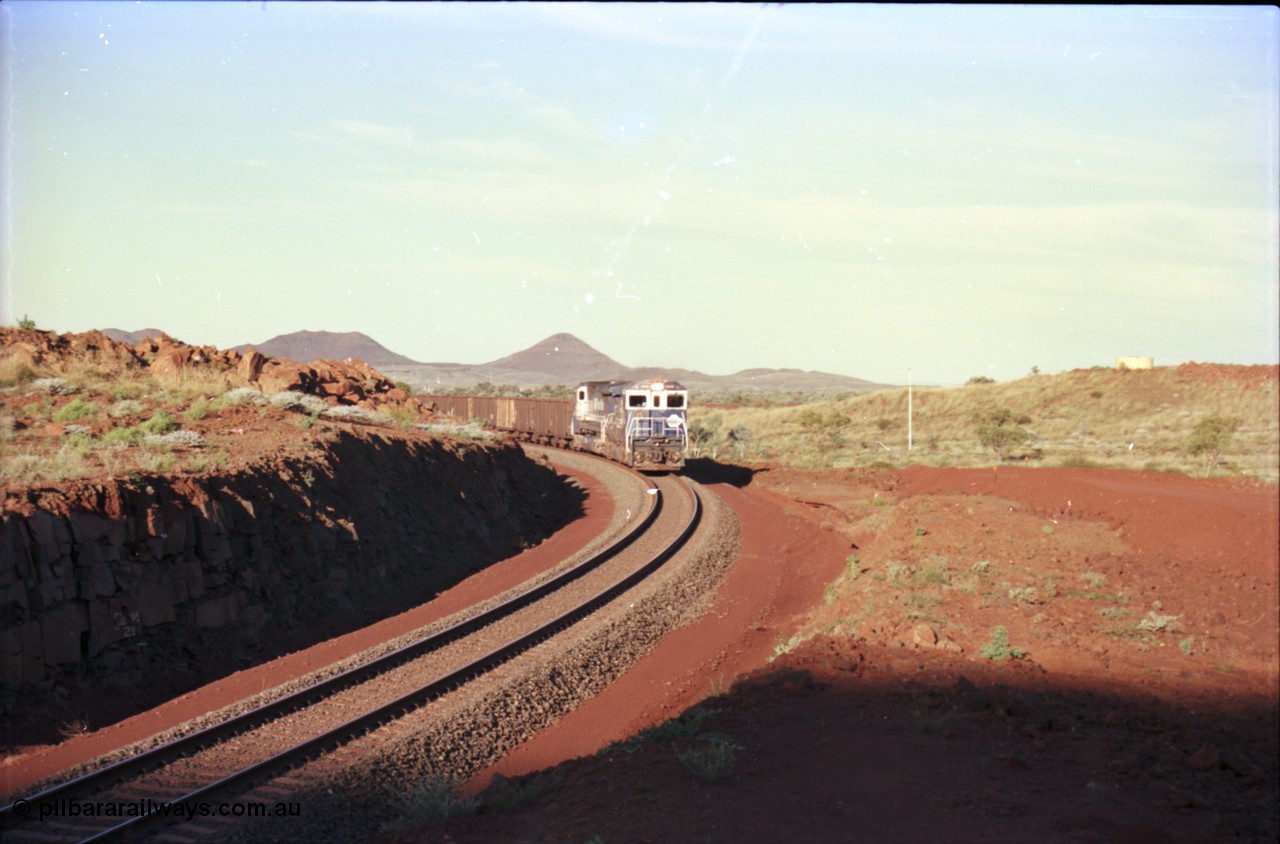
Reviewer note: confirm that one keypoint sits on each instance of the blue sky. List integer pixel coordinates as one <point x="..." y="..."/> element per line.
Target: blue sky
<point x="867" y="190"/>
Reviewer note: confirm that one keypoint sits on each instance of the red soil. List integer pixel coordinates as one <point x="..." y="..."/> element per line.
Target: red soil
<point x="1103" y="731"/>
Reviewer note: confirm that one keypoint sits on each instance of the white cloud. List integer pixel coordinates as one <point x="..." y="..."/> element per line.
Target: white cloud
<point x="400" y="137"/>
<point x="486" y="152"/>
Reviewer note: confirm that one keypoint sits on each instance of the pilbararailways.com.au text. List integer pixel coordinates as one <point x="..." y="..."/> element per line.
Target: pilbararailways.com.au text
<point x="65" y="808"/>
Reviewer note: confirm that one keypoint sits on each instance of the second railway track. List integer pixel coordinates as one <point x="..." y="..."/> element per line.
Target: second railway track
<point x="202" y="774"/>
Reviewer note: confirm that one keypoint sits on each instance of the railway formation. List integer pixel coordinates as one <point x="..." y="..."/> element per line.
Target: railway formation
<point x="454" y="693"/>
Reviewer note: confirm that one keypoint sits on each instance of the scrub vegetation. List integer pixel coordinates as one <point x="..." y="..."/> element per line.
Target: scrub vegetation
<point x="69" y="427"/>
<point x="79" y="419"/>
<point x="1195" y="419"/>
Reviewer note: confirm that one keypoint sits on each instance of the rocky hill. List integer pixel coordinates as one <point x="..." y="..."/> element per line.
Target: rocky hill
<point x="306" y="346"/>
<point x="133" y="338"/>
<point x="559" y="359"/>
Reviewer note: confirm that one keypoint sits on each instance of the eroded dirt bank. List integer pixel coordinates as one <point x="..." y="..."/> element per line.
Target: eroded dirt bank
<point x="117" y="594"/>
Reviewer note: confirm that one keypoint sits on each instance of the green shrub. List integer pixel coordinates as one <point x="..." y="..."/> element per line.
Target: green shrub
<point x="936" y="570"/>
<point x="1210" y="438"/>
<point x="997" y="430"/>
<point x="198" y="410"/>
<point x="73" y="411"/>
<point x="79" y="441"/>
<point x="160" y="423"/>
<point x="122" y="437"/>
<point x="1024" y="595"/>
<point x="157" y="463"/>
<point x="998" y="650"/>
<point x="401" y="417"/>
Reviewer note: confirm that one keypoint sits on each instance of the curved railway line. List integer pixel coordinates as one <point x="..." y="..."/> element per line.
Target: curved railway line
<point x="207" y="768"/>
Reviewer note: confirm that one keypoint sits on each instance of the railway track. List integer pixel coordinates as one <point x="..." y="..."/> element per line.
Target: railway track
<point x="197" y="777"/>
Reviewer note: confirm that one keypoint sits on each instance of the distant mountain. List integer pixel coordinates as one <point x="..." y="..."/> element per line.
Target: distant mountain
<point x="566" y="360"/>
<point x="133" y="338"/>
<point x="799" y="379"/>
<point x="562" y="358"/>
<point x="306" y="346"/>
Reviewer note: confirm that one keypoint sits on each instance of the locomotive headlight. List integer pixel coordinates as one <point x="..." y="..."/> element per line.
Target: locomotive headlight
<point x="657" y="386"/>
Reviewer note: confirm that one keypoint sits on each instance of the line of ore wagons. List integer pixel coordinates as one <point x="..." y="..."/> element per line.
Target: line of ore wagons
<point x="541" y="421"/>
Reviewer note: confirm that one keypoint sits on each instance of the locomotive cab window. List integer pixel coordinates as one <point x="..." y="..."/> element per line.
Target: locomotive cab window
<point x="657" y="401"/>
<point x="675" y="400"/>
<point x="582" y="395"/>
<point x="636" y="400"/>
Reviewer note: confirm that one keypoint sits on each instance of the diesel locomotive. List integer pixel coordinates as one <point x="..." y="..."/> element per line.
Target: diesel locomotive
<point x="641" y="424"/>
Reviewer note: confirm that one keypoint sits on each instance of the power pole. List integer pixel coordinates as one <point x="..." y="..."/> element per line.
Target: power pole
<point x="910" y="410"/>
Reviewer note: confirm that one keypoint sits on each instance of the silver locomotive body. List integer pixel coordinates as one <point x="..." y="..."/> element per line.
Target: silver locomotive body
<point x="641" y="424"/>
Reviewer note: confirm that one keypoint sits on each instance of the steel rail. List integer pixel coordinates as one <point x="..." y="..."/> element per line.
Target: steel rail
<point x="296" y="700"/>
<point x="364" y="723"/>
